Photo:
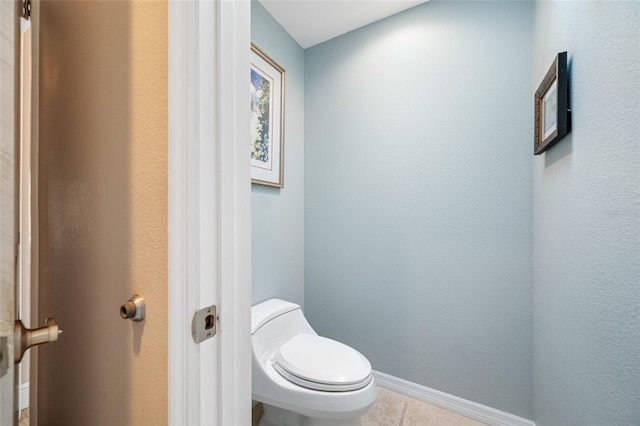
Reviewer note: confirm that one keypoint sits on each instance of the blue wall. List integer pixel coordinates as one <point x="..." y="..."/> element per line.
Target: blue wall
<point x="419" y="203"/>
<point x="587" y="221"/>
<point x="278" y="214"/>
<point x="418" y="197"/>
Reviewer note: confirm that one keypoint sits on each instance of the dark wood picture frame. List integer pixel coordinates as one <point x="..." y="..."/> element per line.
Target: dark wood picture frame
<point x="552" y="115"/>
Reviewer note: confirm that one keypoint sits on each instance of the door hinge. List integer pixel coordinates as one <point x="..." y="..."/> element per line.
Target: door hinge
<point x="203" y="325"/>
<point x="26" y="9"/>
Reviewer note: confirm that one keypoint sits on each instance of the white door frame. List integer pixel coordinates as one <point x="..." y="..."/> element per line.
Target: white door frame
<point x="209" y="211"/>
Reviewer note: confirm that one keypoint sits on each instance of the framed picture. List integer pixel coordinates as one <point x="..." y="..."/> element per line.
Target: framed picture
<point x="267" y="120"/>
<point x="552" y="114"/>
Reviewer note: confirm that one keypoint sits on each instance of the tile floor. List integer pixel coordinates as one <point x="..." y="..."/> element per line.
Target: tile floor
<point x="24" y="418"/>
<point x="394" y="409"/>
<point x="390" y="409"/>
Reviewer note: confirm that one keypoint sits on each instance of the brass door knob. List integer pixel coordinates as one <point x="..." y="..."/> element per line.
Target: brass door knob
<point x="133" y="309"/>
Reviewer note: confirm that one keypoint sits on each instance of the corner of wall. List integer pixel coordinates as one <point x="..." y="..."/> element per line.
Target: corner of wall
<point x="278" y="213"/>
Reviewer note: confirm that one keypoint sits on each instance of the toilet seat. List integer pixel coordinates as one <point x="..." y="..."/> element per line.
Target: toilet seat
<point x="323" y="364"/>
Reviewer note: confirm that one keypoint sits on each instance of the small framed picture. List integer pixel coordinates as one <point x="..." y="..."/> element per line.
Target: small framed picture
<point x="267" y="120"/>
<point x="552" y="115"/>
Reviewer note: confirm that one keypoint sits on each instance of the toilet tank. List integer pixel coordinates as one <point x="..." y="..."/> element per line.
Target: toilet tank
<point x="273" y="323"/>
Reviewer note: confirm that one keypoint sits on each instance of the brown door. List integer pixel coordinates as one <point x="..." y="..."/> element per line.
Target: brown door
<point x="101" y="211"/>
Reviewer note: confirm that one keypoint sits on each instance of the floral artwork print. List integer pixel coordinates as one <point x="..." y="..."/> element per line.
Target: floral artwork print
<point x="260" y="119"/>
<point x="266" y="120"/>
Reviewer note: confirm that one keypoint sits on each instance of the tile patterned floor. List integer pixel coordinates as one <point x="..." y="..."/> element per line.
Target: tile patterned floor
<point x="394" y="409"/>
<point x="24" y="418"/>
<point x="390" y="409"/>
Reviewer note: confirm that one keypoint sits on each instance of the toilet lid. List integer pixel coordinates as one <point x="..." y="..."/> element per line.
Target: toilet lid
<point x="323" y="364"/>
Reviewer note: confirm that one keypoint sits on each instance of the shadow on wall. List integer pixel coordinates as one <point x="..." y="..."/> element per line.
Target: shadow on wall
<point x="559" y="151"/>
<point x="266" y="190"/>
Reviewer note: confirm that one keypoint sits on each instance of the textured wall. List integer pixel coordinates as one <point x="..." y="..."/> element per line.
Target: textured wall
<point x="587" y="221"/>
<point x="278" y="214"/>
<point x="103" y="211"/>
<point x="418" y="201"/>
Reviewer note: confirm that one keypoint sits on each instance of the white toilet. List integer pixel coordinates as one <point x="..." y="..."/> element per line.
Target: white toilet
<point x="302" y="378"/>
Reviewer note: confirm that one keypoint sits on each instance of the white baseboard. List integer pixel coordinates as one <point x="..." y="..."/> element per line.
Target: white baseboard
<point x="24" y="396"/>
<point x="470" y="409"/>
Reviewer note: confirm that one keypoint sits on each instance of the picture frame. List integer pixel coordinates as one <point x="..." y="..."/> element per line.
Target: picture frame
<point x="552" y="119"/>
<point x="267" y="120"/>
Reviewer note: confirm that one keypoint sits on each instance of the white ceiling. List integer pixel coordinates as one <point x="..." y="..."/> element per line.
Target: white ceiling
<point x="311" y="22"/>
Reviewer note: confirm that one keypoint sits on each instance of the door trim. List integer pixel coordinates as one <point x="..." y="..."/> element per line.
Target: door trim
<point x="209" y="211"/>
<point x="233" y="66"/>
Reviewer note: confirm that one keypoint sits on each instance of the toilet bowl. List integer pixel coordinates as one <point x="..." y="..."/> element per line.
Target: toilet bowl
<point x="302" y="378"/>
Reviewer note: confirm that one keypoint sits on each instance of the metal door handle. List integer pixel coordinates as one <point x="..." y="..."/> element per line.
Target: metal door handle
<point x="25" y="337"/>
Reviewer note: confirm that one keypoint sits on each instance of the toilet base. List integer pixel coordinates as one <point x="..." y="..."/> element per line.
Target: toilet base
<point x="275" y="416"/>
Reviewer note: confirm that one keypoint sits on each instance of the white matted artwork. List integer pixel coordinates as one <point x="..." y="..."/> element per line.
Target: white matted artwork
<point x="550" y="110"/>
<point x="267" y="120"/>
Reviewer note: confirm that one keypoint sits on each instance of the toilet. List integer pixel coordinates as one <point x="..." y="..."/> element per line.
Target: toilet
<point x="302" y="378"/>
